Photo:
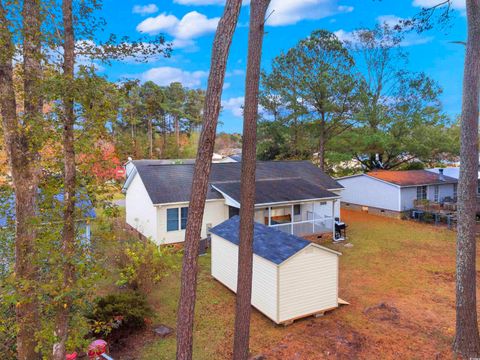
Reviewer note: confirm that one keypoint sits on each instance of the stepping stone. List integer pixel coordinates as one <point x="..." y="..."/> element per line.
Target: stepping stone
<point x="162" y="330"/>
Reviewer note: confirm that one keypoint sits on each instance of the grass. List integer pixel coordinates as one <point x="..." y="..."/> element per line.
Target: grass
<point x="406" y="266"/>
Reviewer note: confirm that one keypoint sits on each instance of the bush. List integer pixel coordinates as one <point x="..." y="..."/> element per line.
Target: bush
<point x="127" y="311"/>
<point x="142" y="264"/>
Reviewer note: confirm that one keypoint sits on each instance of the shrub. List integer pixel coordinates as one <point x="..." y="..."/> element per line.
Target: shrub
<point x="142" y="264"/>
<point x="127" y="311"/>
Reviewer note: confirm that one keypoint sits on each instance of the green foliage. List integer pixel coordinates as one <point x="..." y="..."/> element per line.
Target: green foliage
<point x="142" y="264"/>
<point x="7" y="329"/>
<point x="126" y="310"/>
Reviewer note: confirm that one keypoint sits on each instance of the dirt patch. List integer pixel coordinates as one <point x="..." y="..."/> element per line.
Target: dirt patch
<point x="383" y="312"/>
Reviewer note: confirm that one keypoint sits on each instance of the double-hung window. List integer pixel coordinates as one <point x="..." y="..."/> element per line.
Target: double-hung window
<point x="177" y="218"/>
<point x="435" y="194"/>
<point x="455" y="191"/>
<point x="421" y="192"/>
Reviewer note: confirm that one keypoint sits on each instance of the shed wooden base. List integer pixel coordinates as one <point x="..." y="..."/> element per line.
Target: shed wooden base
<point x="316" y="314"/>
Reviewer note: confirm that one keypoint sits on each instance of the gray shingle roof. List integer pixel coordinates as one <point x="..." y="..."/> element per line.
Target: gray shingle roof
<point x="277" y="190"/>
<point x="172" y="183"/>
<point x="268" y="243"/>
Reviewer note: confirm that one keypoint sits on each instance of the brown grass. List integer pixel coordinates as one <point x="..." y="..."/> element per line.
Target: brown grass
<point x="398" y="277"/>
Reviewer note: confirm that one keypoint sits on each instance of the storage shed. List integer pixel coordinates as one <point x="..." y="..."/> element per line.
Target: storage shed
<point x="292" y="277"/>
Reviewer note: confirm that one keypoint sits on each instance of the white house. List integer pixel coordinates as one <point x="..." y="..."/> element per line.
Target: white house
<point x="292" y="277"/>
<point x="293" y="196"/>
<point x="393" y="192"/>
<point x="454" y="172"/>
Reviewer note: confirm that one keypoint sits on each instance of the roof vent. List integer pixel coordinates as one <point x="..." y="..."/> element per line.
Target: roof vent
<point x="441" y="177"/>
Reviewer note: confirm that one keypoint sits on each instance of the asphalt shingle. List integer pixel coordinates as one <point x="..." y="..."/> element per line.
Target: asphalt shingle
<point x="271" y="244"/>
<point x="172" y="183"/>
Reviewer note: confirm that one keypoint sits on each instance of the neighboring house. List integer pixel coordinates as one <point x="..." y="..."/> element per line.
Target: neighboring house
<point x="454" y="172"/>
<point x="291" y="277"/>
<point x="293" y="196"/>
<point x="391" y="193"/>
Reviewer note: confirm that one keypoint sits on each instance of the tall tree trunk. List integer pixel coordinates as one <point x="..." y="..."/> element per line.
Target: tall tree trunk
<point x="467" y="342"/>
<point x="177" y="132"/>
<point x="150" y="138"/>
<point x="220" y="50"/>
<point x="68" y="234"/>
<point x="321" y="143"/>
<point x="258" y="9"/>
<point x="23" y="161"/>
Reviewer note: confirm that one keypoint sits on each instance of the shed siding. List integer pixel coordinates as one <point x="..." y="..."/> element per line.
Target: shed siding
<point x="140" y="212"/>
<point x="308" y="283"/>
<point x="364" y="190"/>
<point x="215" y="212"/>
<point x="264" y="280"/>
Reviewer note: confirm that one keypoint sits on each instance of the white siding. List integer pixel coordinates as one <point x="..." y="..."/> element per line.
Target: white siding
<point x="409" y="194"/>
<point x="140" y="212"/>
<point x="215" y="213"/>
<point x="308" y="283"/>
<point x="364" y="190"/>
<point x="264" y="280"/>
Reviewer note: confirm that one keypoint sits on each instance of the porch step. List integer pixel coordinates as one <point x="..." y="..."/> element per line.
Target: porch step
<point x="339" y="239"/>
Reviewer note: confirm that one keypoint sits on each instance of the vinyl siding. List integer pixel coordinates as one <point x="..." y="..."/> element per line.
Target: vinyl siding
<point x="140" y="212"/>
<point x="215" y="213"/>
<point x="264" y="280"/>
<point x="409" y="194"/>
<point x="308" y="283"/>
<point x="366" y="191"/>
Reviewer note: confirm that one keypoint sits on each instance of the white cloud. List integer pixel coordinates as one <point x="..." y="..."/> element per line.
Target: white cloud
<point x="226" y="85"/>
<point x="205" y="2"/>
<point x="234" y="105"/>
<point x="287" y="12"/>
<point x="165" y="75"/>
<point x="193" y="25"/>
<point x="145" y="9"/>
<point x="391" y="21"/>
<point x="455" y="4"/>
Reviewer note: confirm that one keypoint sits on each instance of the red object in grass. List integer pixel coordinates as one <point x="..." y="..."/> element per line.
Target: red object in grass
<point x="71" y="356"/>
<point x="96" y="348"/>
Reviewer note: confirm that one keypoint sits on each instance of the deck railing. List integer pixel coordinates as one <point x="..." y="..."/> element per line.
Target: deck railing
<point x="306" y="227"/>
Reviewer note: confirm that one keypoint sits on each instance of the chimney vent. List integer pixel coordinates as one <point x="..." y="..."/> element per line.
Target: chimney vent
<point x="441" y="177"/>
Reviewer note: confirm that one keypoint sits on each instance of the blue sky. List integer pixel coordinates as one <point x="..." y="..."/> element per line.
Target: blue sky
<point x="190" y="24"/>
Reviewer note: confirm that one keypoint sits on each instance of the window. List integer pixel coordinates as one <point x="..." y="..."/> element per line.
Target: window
<point x="183" y="217"/>
<point x="421" y="192"/>
<point x="454" y="191"/>
<point x="172" y="219"/>
<point x="296" y="209"/>
<point x="435" y="195"/>
<point x="177" y="218"/>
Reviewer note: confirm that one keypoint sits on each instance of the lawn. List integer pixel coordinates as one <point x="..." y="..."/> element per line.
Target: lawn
<point x="398" y="277"/>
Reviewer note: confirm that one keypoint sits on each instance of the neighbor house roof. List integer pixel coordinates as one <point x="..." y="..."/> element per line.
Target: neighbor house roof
<point x="277" y="190"/>
<point x="269" y="243"/>
<point x="453" y="172"/>
<point x="411" y="177"/>
<point x="172" y="183"/>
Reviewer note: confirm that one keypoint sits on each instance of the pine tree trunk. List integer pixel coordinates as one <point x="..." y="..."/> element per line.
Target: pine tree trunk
<point x="150" y="138"/>
<point x="177" y="132"/>
<point x="68" y="234"/>
<point x="258" y="9"/>
<point x="321" y="151"/>
<point x="467" y="342"/>
<point x="220" y="50"/>
<point x="23" y="161"/>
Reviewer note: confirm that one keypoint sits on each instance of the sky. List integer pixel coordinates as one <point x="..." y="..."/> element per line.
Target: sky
<point x="190" y="25"/>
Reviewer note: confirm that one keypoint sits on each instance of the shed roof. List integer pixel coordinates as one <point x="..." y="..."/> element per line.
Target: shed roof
<point x="172" y="183"/>
<point x="269" y="243"/>
<point x="277" y="190"/>
<point x="411" y="177"/>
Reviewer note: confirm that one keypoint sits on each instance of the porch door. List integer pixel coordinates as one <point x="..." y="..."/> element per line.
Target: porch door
<point x="233" y="211"/>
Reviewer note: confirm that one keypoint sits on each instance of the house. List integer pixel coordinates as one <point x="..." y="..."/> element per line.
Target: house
<point x="391" y="193"/>
<point x="454" y="172"/>
<point x="293" y="196"/>
<point x="292" y="277"/>
<point x="85" y="212"/>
